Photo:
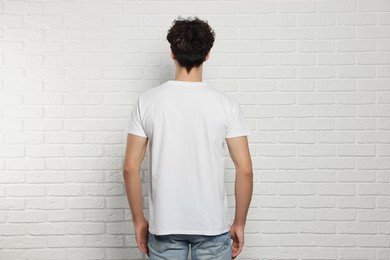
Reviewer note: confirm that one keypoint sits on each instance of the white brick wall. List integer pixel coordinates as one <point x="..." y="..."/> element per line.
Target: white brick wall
<point x="313" y="80"/>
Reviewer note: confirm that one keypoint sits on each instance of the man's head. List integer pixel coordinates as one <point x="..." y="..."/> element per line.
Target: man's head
<point x="191" y="40"/>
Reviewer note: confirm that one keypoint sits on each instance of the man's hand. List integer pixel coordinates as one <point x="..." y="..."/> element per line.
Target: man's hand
<point x="141" y="236"/>
<point x="237" y="235"/>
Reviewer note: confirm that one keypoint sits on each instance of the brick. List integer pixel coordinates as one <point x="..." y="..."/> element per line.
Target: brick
<point x="352" y="202"/>
<point x="357" y="228"/>
<point x="46" y="229"/>
<point x="316" y="202"/>
<point x="374" y="241"/>
<point x="296" y="189"/>
<point x="335" y="33"/>
<point x="20" y="190"/>
<point x="316" y="46"/>
<point x="284" y="227"/>
<point x="26" y="242"/>
<point x="356" y="150"/>
<point x="373" y="189"/>
<point x="13" y="229"/>
<point x="276" y="20"/>
<point x="297" y="6"/>
<point x="373" y="85"/>
<point x="356" y="19"/>
<point x="238" y="73"/>
<point x="322" y="227"/>
<point x="381" y="45"/>
<point x="337" y="6"/>
<point x="357" y="253"/>
<point x="318" y="253"/>
<point x="300" y="163"/>
<point x="85" y="228"/>
<point x="104" y="240"/>
<point x="301" y="59"/>
<point x="297" y="215"/>
<point x="332" y="240"/>
<point x="300" y="240"/>
<point x="258" y="33"/>
<point x="65" y="215"/>
<point x="316" y="19"/>
<point x="296" y="85"/>
<point x="373" y="58"/>
<point x="277" y="46"/>
<point x="85" y="203"/>
<point x="372" y="32"/>
<point x="11" y="20"/>
<point x="235" y="21"/>
<point x="356" y="72"/>
<point x="383" y="203"/>
<point x="355" y="175"/>
<point x="376" y="5"/>
<point x="11" y="203"/>
<point x="85" y="20"/>
<point x="25" y="216"/>
<point x="336" y="189"/>
<point x="308" y="124"/>
<point x="384" y="18"/>
<point x="104" y="215"/>
<point x="335" y="111"/>
<point x="337" y="215"/>
<point x="102" y="8"/>
<point x="67" y="241"/>
<point x="315" y="98"/>
<point x="250" y="7"/>
<point x="336" y="59"/>
<point x="258" y="59"/>
<point x="296" y="137"/>
<point x="277" y="72"/>
<point x="39" y="203"/>
<point x="316" y="151"/>
<point x="244" y="46"/>
<point x="373" y="215"/>
<point x="63" y="7"/>
<point x="275" y="150"/>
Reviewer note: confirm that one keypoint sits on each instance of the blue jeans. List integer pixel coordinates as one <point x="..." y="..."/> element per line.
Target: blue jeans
<point x="176" y="247"/>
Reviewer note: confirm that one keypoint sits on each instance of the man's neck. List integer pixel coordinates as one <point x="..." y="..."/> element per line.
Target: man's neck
<point x="195" y="74"/>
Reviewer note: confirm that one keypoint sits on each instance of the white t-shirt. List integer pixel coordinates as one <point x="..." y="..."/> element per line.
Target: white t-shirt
<point x="186" y="124"/>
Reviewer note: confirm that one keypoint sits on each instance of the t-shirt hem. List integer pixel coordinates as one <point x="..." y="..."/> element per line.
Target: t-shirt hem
<point x="190" y="232"/>
<point x="137" y="133"/>
<point x="246" y="133"/>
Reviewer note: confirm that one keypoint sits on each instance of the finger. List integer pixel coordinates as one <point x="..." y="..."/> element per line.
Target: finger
<point x="142" y="248"/>
<point x="236" y="249"/>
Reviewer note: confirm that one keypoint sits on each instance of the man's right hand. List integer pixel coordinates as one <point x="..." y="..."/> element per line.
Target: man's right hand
<point x="141" y="236"/>
<point x="237" y="235"/>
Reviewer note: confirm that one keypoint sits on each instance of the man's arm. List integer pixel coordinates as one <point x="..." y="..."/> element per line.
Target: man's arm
<point x="239" y="152"/>
<point x="135" y="152"/>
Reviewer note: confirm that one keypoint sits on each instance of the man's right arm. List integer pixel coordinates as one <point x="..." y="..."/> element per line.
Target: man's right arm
<point x="239" y="152"/>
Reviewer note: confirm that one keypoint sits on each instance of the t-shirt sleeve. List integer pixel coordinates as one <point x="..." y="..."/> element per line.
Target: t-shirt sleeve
<point x="135" y="126"/>
<point x="237" y="125"/>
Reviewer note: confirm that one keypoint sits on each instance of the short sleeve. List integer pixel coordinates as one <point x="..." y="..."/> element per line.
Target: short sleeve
<point x="236" y="122"/>
<point x="135" y="125"/>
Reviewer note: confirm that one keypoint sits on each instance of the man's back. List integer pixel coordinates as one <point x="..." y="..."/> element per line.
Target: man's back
<point x="186" y="121"/>
<point x="186" y="124"/>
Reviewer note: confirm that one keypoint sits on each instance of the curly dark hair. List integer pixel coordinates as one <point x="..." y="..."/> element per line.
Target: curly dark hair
<point x="191" y="39"/>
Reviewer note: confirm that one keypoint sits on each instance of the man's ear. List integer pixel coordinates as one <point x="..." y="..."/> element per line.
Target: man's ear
<point x="207" y="56"/>
<point x="172" y="55"/>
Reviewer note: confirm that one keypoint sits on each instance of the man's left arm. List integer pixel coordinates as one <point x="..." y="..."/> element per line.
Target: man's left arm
<point x="135" y="152"/>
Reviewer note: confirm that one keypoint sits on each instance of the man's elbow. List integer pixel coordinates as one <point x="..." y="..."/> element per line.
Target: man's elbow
<point x="245" y="172"/>
<point x="129" y="170"/>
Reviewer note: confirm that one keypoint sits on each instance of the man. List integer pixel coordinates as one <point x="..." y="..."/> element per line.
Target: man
<point x="186" y="122"/>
